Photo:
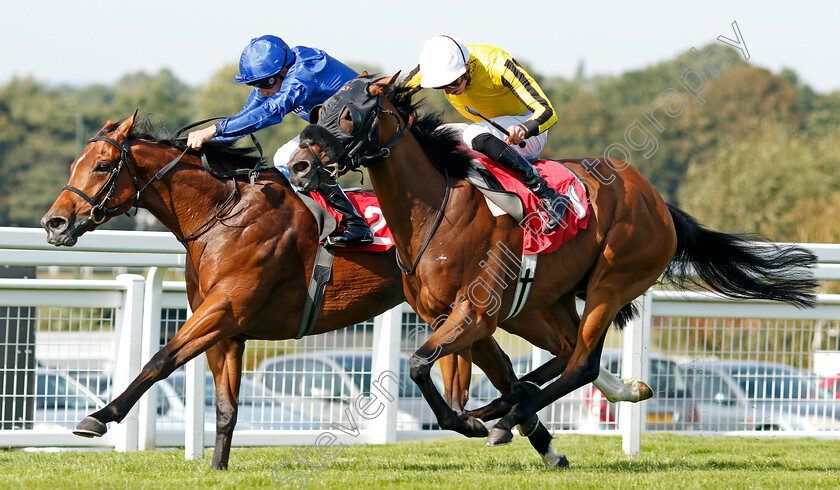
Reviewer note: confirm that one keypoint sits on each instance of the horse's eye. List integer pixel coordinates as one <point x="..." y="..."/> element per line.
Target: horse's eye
<point x="346" y="121"/>
<point x="351" y="119"/>
<point x="102" y="167"/>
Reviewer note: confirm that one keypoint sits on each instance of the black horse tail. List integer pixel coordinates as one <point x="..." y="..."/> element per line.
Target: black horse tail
<point x="739" y="267"/>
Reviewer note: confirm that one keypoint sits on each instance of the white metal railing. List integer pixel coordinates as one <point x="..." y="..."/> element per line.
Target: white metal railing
<point x="137" y="303"/>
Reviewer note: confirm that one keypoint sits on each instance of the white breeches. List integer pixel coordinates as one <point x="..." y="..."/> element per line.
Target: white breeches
<point x="533" y="145"/>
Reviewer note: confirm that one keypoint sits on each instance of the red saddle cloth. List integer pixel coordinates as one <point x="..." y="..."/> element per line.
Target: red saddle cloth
<point x="565" y="182"/>
<point x="367" y="205"/>
<point x="535" y="241"/>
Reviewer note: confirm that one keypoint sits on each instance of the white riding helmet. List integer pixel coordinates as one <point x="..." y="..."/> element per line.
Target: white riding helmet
<point x="442" y="60"/>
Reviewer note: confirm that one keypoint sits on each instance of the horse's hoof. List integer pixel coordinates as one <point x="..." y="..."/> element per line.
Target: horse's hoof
<point x="90" y="427"/>
<point x="554" y="460"/>
<point x="529" y="426"/>
<point x="474" y="427"/>
<point x="644" y="391"/>
<point x="499" y="437"/>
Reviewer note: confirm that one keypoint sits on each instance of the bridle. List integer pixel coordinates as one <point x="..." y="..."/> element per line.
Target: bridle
<point x="363" y="146"/>
<point x="361" y="143"/>
<point x="99" y="212"/>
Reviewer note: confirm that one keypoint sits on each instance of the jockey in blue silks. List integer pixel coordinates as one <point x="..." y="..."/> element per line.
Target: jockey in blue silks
<point x="289" y="80"/>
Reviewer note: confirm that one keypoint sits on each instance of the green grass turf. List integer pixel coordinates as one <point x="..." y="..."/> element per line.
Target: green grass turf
<point x="666" y="461"/>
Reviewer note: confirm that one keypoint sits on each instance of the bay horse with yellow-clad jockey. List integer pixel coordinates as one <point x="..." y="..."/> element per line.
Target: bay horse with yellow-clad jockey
<point x="633" y="237"/>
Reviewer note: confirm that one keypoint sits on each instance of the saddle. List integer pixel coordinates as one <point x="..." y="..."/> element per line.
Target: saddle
<point x="506" y="194"/>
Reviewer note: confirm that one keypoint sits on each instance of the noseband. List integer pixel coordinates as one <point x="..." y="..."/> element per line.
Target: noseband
<point x="99" y="212"/>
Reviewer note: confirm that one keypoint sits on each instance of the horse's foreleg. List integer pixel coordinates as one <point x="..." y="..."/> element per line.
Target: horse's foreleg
<point x="449" y="337"/>
<point x="199" y="333"/>
<point x="456" y="369"/>
<point x="549" y="330"/>
<point x="225" y="359"/>
<point x="562" y="320"/>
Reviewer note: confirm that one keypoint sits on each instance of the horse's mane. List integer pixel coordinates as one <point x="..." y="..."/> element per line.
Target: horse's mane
<point x="147" y="128"/>
<point x="442" y="145"/>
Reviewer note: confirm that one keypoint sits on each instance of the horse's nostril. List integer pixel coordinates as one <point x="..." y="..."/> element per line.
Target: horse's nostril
<point x="301" y="166"/>
<point x="56" y="223"/>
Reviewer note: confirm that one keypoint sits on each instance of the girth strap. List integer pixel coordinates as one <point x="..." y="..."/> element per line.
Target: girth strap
<point x="321" y="274"/>
<point x="527" y="270"/>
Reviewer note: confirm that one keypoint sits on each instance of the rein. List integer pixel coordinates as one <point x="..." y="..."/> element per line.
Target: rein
<point x="100" y="212"/>
<point x="362" y="149"/>
<point x="385" y="152"/>
<point x="252" y="173"/>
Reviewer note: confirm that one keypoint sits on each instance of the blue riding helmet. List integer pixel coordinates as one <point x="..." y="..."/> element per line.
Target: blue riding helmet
<point x="263" y="57"/>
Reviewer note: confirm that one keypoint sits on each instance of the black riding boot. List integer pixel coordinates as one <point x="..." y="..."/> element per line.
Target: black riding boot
<point x="553" y="203"/>
<point x="356" y="230"/>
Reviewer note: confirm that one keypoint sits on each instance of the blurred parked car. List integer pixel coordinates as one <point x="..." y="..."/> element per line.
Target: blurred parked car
<point x="61" y="401"/>
<point x="257" y="409"/>
<point x="98" y="383"/>
<point x="832" y="385"/>
<point x="324" y="385"/>
<point x="671" y="407"/>
<point x="752" y="395"/>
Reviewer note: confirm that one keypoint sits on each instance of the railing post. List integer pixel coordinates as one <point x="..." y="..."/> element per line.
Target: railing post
<point x="194" y="418"/>
<point x="151" y="344"/>
<point x="635" y="364"/>
<point x="385" y="390"/>
<point x="127" y="361"/>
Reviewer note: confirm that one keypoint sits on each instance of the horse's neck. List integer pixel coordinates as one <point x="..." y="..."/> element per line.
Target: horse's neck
<point x="184" y="199"/>
<point x="410" y="191"/>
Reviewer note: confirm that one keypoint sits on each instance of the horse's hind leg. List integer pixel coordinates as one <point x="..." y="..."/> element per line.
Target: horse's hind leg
<point x="582" y="367"/>
<point x="564" y="319"/>
<point x="617" y="282"/>
<point x="225" y="360"/>
<point x="489" y="356"/>
<point x="554" y="328"/>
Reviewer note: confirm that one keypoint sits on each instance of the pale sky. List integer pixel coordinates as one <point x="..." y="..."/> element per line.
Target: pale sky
<point x="81" y="42"/>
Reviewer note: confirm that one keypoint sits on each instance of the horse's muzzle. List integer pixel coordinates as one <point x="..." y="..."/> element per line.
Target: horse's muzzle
<point x="303" y="173"/>
<point x="60" y="230"/>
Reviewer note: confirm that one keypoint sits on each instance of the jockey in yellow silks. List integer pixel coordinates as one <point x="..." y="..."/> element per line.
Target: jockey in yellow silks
<point x="488" y="80"/>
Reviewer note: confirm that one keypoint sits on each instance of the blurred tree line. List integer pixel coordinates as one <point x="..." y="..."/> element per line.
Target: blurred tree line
<point x="757" y="155"/>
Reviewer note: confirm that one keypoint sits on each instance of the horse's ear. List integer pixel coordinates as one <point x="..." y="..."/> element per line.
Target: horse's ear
<point x="106" y="126"/>
<point x="125" y="127"/>
<point x="382" y="84"/>
<point x="363" y="74"/>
